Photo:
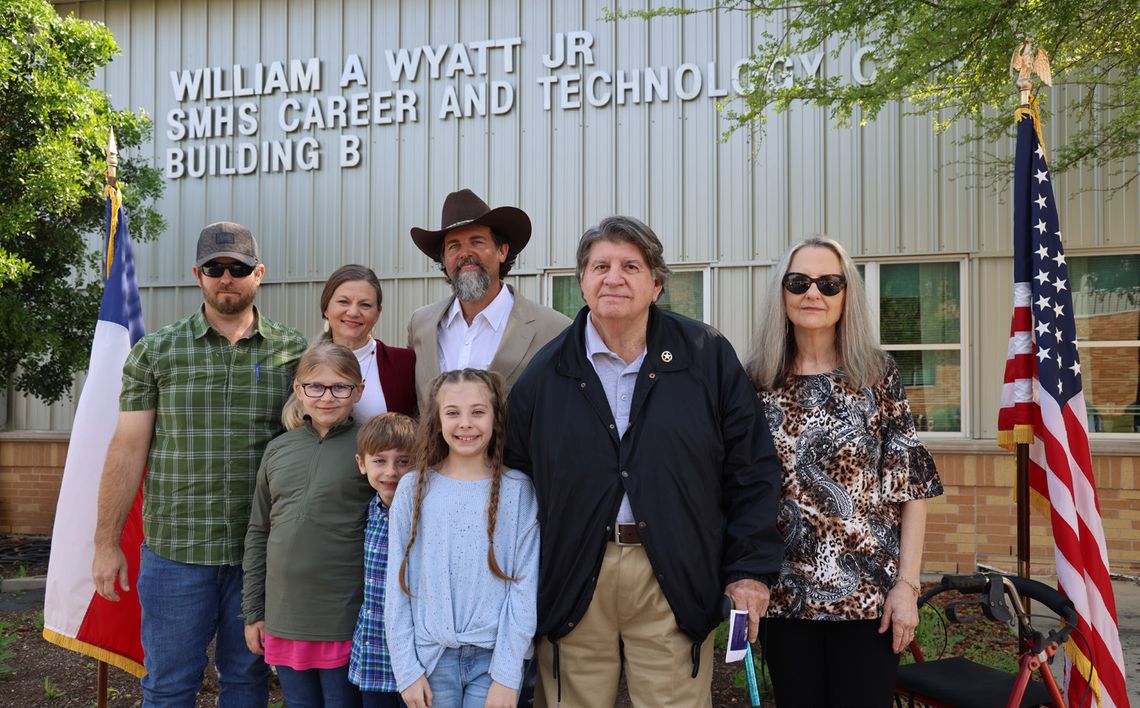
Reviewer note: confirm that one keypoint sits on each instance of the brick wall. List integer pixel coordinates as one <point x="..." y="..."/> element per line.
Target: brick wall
<point x="973" y="523"/>
<point x="1112" y="384"/>
<point x="30" y="470"/>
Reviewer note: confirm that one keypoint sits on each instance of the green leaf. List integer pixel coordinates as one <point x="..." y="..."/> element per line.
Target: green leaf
<point x="950" y="60"/>
<point x="53" y="132"/>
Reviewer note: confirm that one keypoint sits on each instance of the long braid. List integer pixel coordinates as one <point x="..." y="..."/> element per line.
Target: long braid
<point x="492" y="514"/>
<point x="430" y="450"/>
<point x="421" y="484"/>
<point x="495" y="458"/>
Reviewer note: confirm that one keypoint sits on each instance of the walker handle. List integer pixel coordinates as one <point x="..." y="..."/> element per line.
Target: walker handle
<point x="966" y="584"/>
<point x="1057" y="603"/>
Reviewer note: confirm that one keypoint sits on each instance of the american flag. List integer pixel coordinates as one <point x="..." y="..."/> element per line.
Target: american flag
<point x="1043" y="405"/>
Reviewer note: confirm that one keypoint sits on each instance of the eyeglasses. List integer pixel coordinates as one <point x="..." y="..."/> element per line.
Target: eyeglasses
<point x="316" y="390"/>
<point x="829" y="285"/>
<point x="215" y="270"/>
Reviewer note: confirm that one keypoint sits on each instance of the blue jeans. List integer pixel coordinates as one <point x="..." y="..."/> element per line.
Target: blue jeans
<point x="317" y="688"/>
<point x="183" y="607"/>
<point x="461" y="678"/>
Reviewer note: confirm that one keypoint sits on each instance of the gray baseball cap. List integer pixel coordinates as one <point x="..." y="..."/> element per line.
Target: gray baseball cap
<point x="225" y="239"/>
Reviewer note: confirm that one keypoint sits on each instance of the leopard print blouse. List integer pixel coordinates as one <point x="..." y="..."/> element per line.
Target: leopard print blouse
<point x="850" y="458"/>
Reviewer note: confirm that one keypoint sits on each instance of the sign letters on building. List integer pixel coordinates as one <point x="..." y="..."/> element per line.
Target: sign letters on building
<point x="217" y="126"/>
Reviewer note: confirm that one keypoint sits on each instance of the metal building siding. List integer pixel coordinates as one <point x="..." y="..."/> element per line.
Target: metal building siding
<point x="733" y="312"/>
<point x="843" y="187"/>
<point x="992" y="305"/>
<point x="891" y="188"/>
<point x="956" y="216"/>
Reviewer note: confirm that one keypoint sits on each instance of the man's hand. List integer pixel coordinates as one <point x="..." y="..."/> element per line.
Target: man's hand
<point x="499" y="696"/>
<point x="418" y="695"/>
<point x="108" y="566"/>
<point x="750" y="595"/>
<point x="255" y="637"/>
<point x="122" y="473"/>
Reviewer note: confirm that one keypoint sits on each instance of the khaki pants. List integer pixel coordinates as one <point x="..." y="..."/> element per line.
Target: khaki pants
<point x="628" y="607"/>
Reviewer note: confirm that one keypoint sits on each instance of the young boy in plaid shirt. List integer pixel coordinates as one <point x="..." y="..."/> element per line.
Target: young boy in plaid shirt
<point x="384" y="447"/>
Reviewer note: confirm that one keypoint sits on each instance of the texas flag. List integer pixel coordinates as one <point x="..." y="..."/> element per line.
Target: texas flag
<point x="75" y="617"/>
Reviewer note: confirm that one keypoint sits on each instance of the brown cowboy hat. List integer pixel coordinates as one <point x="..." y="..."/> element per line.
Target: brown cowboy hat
<point x="464" y="208"/>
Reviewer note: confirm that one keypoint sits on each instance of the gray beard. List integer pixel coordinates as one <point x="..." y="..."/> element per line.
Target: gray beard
<point x="471" y="286"/>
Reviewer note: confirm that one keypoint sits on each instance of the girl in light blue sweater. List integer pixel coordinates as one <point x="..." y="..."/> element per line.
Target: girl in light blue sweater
<point x="460" y="608"/>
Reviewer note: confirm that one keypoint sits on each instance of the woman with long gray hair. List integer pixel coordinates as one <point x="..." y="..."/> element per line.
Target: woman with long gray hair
<point x="855" y="483"/>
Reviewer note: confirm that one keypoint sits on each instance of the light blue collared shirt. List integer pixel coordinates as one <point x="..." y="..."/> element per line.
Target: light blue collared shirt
<point x="618" y="381"/>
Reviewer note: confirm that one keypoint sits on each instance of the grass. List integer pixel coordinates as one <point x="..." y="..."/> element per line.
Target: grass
<point x="993" y="657"/>
<point x="983" y="641"/>
<point x="930" y="635"/>
<point x="21" y="571"/>
<point x="740" y="678"/>
<point x="6" y="653"/>
<point x="51" y="692"/>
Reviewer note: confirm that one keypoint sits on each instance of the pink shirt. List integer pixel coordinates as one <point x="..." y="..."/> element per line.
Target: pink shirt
<point x="301" y="654"/>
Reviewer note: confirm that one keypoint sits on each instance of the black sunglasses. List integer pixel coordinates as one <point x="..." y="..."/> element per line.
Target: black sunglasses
<point x="829" y="285"/>
<point x="215" y="270"/>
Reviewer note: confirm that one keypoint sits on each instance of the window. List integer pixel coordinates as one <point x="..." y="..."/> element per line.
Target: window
<point x="1106" y="304"/>
<point x="919" y="307"/>
<point x="684" y="294"/>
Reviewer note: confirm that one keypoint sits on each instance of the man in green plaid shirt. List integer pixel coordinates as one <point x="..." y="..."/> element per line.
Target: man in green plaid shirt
<point x="201" y="399"/>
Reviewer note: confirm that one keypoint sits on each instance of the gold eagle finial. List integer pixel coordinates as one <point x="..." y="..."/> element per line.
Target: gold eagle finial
<point x="1027" y="63"/>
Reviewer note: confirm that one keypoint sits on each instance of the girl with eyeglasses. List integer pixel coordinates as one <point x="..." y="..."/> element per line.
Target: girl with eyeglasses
<point x="855" y="483"/>
<point x="304" y="549"/>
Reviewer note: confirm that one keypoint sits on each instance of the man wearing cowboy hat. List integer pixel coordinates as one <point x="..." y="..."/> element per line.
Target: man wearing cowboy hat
<point x="485" y="324"/>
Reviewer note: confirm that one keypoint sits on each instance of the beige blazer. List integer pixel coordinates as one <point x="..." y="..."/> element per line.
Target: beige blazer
<point x="529" y="327"/>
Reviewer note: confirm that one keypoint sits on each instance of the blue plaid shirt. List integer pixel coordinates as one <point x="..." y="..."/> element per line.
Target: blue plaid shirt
<point x="370" y="667"/>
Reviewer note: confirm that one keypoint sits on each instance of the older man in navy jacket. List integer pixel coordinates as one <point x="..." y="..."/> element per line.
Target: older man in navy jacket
<point x="657" y="484"/>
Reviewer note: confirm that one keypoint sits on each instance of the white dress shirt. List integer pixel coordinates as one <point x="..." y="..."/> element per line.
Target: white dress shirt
<point x="473" y="347"/>
<point x="372" y="402"/>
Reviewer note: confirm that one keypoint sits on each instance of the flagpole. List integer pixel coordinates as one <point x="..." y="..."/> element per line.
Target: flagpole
<point x="112" y="160"/>
<point x="1023" y="510"/>
<point x="1043" y="404"/>
<point x="1022" y="60"/>
<point x="101" y="688"/>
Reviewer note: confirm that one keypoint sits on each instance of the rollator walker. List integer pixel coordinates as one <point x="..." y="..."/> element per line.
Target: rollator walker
<point x="958" y="682"/>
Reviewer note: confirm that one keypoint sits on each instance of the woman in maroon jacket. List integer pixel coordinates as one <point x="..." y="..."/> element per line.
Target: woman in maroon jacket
<point x="350" y="305"/>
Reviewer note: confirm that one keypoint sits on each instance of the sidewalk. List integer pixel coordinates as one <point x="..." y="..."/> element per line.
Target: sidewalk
<point x="20" y="600"/>
<point x="1128" y="616"/>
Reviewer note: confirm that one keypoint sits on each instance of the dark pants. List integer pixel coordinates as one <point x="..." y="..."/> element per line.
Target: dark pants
<point x="376" y="699"/>
<point x="824" y="664"/>
<point x="318" y="688"/>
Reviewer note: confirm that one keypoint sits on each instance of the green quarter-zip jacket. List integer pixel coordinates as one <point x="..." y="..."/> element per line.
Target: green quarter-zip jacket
<point x="304" y="550"/>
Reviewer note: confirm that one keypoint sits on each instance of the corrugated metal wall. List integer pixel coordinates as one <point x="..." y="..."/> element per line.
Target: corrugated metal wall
<point x="891" y="188"/>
